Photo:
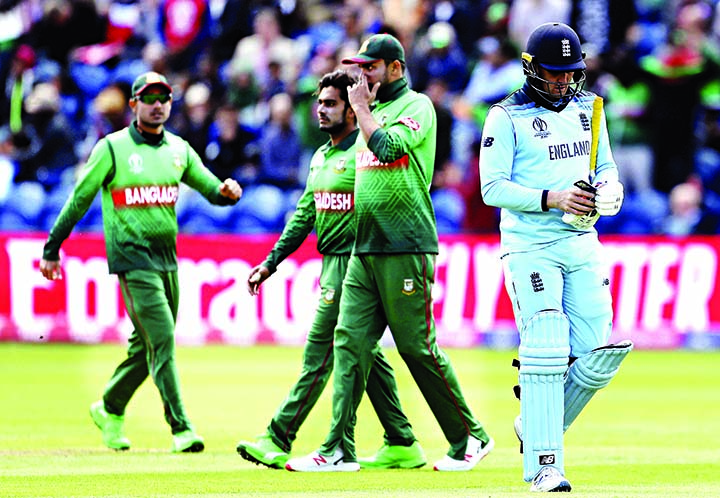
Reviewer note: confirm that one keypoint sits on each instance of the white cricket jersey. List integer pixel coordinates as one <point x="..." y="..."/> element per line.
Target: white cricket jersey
<point x="526" y="149"/>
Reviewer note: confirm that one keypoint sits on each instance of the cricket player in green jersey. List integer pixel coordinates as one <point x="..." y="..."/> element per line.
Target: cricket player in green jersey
<point x="391" y="270"/>
<point x="327" y="205"/>
<point x="138" y="170"/>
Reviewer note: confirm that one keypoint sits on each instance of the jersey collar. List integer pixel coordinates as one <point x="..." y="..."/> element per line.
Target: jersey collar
<point x="392" y="91"/>
<point x="535" y="97"/>
<point x="138" y="137"/>
<point x="345" y="143"/>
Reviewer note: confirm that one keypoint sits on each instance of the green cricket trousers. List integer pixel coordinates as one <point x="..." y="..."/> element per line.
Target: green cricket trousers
<point x="151" y="300"/>
<point x="394" y="290"/>
<point x="317" y="365"/>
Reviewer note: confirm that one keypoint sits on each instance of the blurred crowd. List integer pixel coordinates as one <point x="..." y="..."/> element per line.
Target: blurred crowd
<point x="244" y="74"/>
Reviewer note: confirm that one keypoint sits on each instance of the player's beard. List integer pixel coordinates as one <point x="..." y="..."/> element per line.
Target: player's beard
<point x="334" y="128"/>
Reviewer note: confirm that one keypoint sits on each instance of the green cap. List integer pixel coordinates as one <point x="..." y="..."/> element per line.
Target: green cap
<point x="378" y="47"/>
<point x="149" y="79"/>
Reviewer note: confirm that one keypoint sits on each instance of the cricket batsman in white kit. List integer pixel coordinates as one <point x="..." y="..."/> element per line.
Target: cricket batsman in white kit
<point x="546" y="161"/>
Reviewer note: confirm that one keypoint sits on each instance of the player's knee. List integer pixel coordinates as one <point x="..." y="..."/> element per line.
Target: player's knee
<point x="545" y="343"/>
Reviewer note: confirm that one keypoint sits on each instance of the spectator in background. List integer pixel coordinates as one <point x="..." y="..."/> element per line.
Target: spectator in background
<point x="267" y="44"/>
<point x="64" y="26"/>
<point x="195" y="118"/>
<point x="685" y="210"/>
<point x="243" y="92"/>
<point x="467" y="18"/>
<point x="525" y="15"/>
<point x="233" y="24"/>
<point x="280" y="146"/>
<point x="676" y="73"/>
<point x="497" y="73"/>
<point x="18" y="85"/>
<point x="49" y="149"/>
<point x="184" y="28"/>
<point x="108" y="113"/>
<point x="438" y="56"/>
<point x="229" y="150"/>
<point x="446" y="174"/>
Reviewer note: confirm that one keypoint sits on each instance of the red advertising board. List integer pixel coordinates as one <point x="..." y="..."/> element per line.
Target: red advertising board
<point x="666" y="292"/>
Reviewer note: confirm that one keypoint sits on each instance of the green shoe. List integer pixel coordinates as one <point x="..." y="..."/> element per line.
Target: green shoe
<point x="263" y="451"/>
<point x="111" y="426"/>
<point x="395" y="457"/>
<point x="187" y="442"/>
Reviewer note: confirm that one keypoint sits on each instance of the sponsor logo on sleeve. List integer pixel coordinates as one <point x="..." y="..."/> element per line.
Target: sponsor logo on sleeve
<point x="410" y="123"/>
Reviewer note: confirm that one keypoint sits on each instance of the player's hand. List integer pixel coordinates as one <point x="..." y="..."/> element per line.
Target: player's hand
<point x="50" y="269"/>
<point x="573" y="201"/>
<point x="257" y="276"/>
<point x="609" y="198"/>
<point x="231" y="189"/>
<point x="360" y="94"/>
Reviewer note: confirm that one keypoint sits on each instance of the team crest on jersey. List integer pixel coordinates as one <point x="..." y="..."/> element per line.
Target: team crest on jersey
<point x="408" y="287"/>
<point x="177" y="161"/>
<point x="383" y="120"/>
<point x="341" y="165"/>
<point x="584" y="121"/>
<point x="540" y="126"/>
<point x="410" y="123"/>
<point x="329" y="296"/>
<point x="135" y="163"/>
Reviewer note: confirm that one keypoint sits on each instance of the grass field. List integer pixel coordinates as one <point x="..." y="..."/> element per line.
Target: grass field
<point x="655" y="431"/>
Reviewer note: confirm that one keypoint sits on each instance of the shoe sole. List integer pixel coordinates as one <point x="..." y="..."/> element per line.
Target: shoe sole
<point x="243" y="452"/>
<point x="196" y="447"/>
<point x="564" y="487"/>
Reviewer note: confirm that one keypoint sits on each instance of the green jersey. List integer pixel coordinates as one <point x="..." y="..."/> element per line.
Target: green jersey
<point x="394" y="170"/>
<point x="140" y="185"/>
<point x="327" y="204"/>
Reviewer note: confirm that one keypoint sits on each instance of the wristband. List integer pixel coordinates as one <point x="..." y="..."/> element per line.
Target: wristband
<point x="543" y="201"/>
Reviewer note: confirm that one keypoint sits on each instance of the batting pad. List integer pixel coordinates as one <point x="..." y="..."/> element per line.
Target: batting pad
<point x="544" y="350"/>
<point x="590" y="373"/>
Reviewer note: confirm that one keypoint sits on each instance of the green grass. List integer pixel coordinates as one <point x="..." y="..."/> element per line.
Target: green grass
<point x="655" y="431"/>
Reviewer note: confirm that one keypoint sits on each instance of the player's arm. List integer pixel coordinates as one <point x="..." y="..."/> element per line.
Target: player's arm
<point x="496" y="164"/>
<point x="298" y="227"/>
<point x="405" y="133"/>
<point x="497" y="151"/>
<point x="200" y="178"/>
<point x="92" y="176"/>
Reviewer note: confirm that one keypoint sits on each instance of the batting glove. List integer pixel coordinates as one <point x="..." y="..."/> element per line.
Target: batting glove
<point x="608" y="198"/>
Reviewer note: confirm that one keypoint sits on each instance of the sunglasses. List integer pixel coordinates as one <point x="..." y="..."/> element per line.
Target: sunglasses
<point x="150" y="99"/>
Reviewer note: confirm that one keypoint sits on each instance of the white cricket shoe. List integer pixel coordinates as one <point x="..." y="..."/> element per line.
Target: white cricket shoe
<point x="315" y="462"/>
<point x="475" y="451"/>
<point x="549" y="480"/>
<point x="517" y="425"/>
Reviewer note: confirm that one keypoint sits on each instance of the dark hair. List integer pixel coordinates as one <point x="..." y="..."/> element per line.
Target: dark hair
<point x="339" y="79"/>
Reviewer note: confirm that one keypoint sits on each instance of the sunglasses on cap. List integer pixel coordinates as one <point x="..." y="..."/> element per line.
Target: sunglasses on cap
<point x="151" y="98"/>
